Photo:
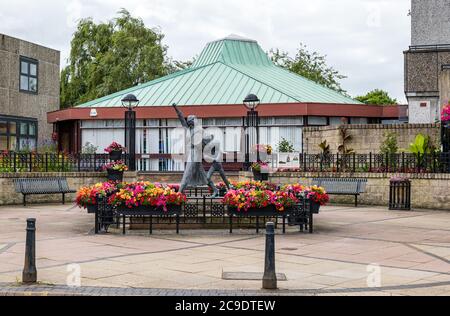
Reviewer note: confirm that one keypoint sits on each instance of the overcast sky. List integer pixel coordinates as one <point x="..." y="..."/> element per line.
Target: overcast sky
<point x="363" y="39"/>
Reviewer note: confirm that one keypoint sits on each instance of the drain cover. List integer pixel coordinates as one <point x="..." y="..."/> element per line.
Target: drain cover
<point x="249" y="276"/>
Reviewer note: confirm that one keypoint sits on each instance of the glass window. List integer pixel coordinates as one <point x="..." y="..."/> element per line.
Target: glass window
<point x="23" y="128"/>
<point x="12" y="128"/>
<point x="28" y="75"/>
<point x="24" y="67"/>
<point x="32" y="131"/>
<point x="33" y="69"/>
<point x="3" y="127"/>
<point x="3" y="143"/>
<point x="12" y="143"/>
<point x="24" y="84"/>
<point x="317" y="120"/>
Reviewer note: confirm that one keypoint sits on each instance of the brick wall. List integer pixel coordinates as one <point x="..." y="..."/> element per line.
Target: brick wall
<point x="429" y="191"/>
<point x="367" y="138"/>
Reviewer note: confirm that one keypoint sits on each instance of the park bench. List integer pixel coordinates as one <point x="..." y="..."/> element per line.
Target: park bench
<point x="42" y="186"/>
<point x="342" y="186"/>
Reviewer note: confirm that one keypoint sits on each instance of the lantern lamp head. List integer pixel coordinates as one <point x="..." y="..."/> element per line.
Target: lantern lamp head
<point x="251" y="102"/>
<point x="130" y="101"/>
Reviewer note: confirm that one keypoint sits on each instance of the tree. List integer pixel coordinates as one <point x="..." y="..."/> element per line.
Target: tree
<point x="173" y="66"/>
<point x="109" y="57"/>
<point x="285" y="146"/>
<point x="378" y="97"/>
<point x="310" y="65"/>
<point x="389" y="145"/>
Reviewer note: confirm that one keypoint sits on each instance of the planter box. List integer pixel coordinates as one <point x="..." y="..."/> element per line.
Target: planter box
<point x="314" y="207"/>
<point x="91" y="209"/>
<point x="115" y="155"/>
<point x="260" y="176"/>
<point x="253" y="212"/>
<point x="150" y="211"/>
<point x="114" y="175"/>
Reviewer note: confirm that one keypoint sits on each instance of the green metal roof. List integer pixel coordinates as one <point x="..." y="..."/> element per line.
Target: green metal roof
<point x="226" y="71"/>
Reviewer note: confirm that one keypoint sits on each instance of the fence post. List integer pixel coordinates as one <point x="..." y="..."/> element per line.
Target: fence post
<point x="62" y="162"/>
<point x="304" y="162"/>
<point x="354" y="162"/>
<point x="337" y="162"/>
<point x="270" y="277"/>
<point x="46" y="162"/>
<point x="95" y="162"/>
<point x="31" y="162"/>
<point x="79" y="161"/>
<point x="14" y="161"/>
<point x="370" y="162"/>
<point x="29" y="274"/>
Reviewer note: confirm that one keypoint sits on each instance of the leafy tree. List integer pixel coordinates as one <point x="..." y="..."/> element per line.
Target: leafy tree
<point x="285" y="146"/>
<point x="310" y="65"/>
<point x="389" y="145"/>
<point x="378" y="97"/>
<point x="176" y="65"/>
<point x="109" y="57"/>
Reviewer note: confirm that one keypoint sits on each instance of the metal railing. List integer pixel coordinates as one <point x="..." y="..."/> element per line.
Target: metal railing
<point x="372" y="162"/>
<point x="376" y="163"/>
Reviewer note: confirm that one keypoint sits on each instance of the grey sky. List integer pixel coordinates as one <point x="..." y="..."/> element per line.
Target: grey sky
<point x="363" y="39"/>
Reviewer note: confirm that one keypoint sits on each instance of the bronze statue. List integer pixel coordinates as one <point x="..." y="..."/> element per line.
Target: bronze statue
<point x="194" y="174"/>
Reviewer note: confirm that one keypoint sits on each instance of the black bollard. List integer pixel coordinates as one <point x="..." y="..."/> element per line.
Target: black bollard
<point x="29" y="274"/>
<point x="270" y="277"/>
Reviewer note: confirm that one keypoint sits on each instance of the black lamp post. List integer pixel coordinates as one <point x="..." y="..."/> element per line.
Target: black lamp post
<point x="251" y="102"/>
<point x="130" y="102"/>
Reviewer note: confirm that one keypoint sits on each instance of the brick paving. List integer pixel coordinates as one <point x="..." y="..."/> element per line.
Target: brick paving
<point x="410" y="250"/>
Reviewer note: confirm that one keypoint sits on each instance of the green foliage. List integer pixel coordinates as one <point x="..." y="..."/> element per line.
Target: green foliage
<point x="346" y="138"/>
<point x="89" y="148"/>
<point x="389" y="145"/>
<point x="285" y="146"/>
<point x="377" y="97"/>
<point x="310" y="65"/>
<point x="175" y="65"/>
<point x="325" y="147"/>
<point x="109" y="57"/>
<point x="421" y="145"/>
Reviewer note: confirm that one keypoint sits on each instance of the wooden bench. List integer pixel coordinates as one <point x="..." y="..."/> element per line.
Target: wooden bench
<point x="29" y="186"/>
<point x="342" y="186"/>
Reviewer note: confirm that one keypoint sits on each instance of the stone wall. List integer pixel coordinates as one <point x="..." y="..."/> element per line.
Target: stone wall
<point x="16" y="103"/>
<point x="367" y="138"/>
<point x="429" y="191"/>
<point x="8" y="196"/>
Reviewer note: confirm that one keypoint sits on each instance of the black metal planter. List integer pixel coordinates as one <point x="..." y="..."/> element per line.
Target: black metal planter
<point x="91" y="209"/>
<point x="400" y="195"/>
<point x="115" y="155"/>
<point x="260" y="176"/>
<point x="114" y="175"/>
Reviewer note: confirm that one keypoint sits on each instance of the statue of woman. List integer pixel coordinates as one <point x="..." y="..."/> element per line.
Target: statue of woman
<point x="194" y="174"/>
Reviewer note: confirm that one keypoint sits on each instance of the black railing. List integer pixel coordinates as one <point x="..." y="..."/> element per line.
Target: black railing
<point x="51" y="162"/>
<point x="376" y="163"/>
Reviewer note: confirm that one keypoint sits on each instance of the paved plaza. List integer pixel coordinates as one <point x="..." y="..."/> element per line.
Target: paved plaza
<point x="354" y="251"/>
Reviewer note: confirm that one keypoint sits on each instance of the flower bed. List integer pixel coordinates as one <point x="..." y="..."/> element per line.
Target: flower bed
<point x="87" y="196"/>
<point x="145" y="195"/>
<point x="244" y="200"/>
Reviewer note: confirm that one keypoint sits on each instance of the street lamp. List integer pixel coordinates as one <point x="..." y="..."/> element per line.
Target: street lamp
<point x="130" y="102"/>
<point x="251" y="102"/>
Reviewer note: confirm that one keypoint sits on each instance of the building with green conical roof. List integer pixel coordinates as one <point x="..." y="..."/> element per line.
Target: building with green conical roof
<point x="214" y="88"/>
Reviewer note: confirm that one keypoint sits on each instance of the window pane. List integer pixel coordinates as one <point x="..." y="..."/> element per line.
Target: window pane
<point x="32" y="129"/>
<point x="33" y="69"/>
<point x="3" y="143"/>
<point x="33" y="84"/>
<point x="24" y="67"/>
<point x="23" y="128"/>
<point x="12" y="128"/>
<point x="24" y="83"/>
<point x="12" y="143"/>
<point x="3" y="127"/>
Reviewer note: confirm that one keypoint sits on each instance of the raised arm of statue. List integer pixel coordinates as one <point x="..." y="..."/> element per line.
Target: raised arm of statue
<point x="180" y="116"/>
